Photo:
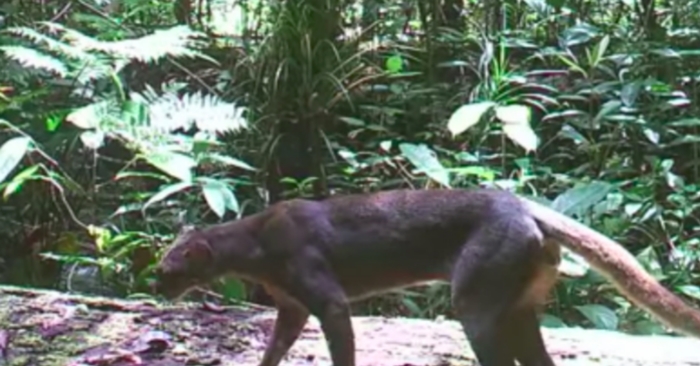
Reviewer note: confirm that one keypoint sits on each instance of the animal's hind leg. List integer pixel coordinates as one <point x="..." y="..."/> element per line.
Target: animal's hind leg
<point x="525" y="339"/>
<point x="491" y="275"/>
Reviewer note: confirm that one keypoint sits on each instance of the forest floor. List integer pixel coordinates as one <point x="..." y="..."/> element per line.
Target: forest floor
<point x="47" y="328"/>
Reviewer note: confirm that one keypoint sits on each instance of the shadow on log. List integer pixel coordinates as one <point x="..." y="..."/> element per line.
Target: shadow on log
<point x="49" y="328"/>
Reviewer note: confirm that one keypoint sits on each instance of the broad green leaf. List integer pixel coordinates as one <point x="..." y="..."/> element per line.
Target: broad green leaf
<point x="174" y="164"/>
<point x="231" y="161"/>
<point x="572" y="64"/>
<point x="11" y="153"/>
<point x="690" y="290"/>
<point x="467" y="116"/>
<point x="540" y="6"/>
<point x="202" y="142"/>
<point x="653" y="136"/>
<point x="686" y="122"/>
<point x="551" y="321"/>
<point x="92" y="139"/>
<point x="16" y="183"/>
<point x="352" y="121"/>
<point x="601" y="48"/>
<point x="131" y="207"/>
<point x="394" y="64"/>
<point x="89" y="116"/>
<point x="516" y="125"/>
<point x="679" y="102"/>
<point x="514" y="114"/>
<point x="102" y="237"/>
<point x="630" y="92"/>
<point x="466" y="157"/>
<point x="231" y="201"/>
<point x="129" y="174"/>
<point x="386" y="145"/>
<point x="570" y="132"/>
<point x="213" y="194"/>
<point x="601" y="317"/>
<point x="349" y="157"/>
<point x="572" y="264"/>
<point x="411" y="305"/>
<point x="607" y="109"/>
<point x="650" y="261"/>
<point x="667" y="52"/>
<point x="567" y="114"/>
<point x="168" y="190"/>
<point x="522" y="135"/>
<point x="674" y="181"/>
<point x="219" y="197"/>
<point x="578" y="34"/>
<point x="632" y="208"/>
<point x="582" y="197"/>
<point x="425" y="161"/>
<point x="52" y="123"/>
<point x="687" y="139"/>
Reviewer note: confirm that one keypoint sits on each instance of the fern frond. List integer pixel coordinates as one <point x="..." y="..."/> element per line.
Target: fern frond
<point x="49" y="43"/>
<point x="209" y="113"/>
<point x="89" y="59"/>
<point x="175" y="42"/>
<point x="179" y="41"/>
<point x="28" y="57"/>
<point x="166" y="113"/>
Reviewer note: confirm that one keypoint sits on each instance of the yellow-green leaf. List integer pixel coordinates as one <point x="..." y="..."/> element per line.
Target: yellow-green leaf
<point x="514" y="114"/>
<point x="174" y="164"/>
<point x="11" y="153"/>
<point x="467" y="116"/>
<point x="88" y="116"/>
<point x="167" y="191"/>
<point x="522" y="135"/>
<point x="426" y="161"/>
<point x="16" y="183"/>
<point x="219" y="197"/>
<point x="92" y="139"/>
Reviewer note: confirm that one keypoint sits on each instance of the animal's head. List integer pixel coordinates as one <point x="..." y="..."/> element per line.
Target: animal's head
<point x="185" y="265"/>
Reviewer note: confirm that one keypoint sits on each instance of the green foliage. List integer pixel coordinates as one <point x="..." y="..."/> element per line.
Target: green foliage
<point x="145" y="123"/>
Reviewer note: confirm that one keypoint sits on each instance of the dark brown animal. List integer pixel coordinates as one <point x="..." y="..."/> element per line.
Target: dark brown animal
<point x="500" y="253"/>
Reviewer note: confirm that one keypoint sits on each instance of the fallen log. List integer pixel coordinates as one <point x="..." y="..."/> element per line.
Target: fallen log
<point x="48" y="328"/>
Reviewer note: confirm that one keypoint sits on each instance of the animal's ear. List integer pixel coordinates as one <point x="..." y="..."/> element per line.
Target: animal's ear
<point x="199" y="252"/>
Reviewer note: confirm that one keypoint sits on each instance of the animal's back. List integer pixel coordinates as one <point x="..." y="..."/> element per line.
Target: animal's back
<point x="400" y="236"/>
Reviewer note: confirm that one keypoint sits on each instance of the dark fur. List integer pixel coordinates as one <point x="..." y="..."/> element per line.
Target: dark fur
<point x="314" y="257"/>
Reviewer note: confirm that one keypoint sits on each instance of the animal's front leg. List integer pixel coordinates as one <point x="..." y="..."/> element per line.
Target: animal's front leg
<point x="291" y="318"/>
<point x="335" y="321"/>
<point x="312" y="283"/>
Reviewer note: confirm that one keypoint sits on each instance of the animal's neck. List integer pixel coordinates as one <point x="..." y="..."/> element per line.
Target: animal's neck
<point x="234" y="246"/>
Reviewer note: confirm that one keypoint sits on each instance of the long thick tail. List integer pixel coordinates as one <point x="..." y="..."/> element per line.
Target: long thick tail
<point x="618" y="265"/>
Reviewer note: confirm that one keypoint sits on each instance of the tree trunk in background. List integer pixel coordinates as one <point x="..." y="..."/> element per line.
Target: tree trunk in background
<point x="298" y="148"/>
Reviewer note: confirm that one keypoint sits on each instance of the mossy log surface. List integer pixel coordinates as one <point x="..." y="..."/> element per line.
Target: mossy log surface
<point x="47" y="328"/>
